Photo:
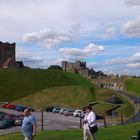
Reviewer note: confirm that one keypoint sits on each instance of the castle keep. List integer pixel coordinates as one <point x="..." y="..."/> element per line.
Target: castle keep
<point x="77" y="67"/>
<point x="80" y="68"/>
<point x="7" y="55"/>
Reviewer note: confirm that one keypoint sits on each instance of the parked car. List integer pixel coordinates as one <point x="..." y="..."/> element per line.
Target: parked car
<point x="5" y="123"/>
<point x="99" y="117"/>
<point x="68" y="112"/>
<point x="50" y="108"/>
<point x="9" y="106"/>
<point x="78" y="113"/>
<point x="18" y="120"/>
<point x="21" y="108"/>
<point x="56" y="110"/>
<point x="62" y="110"/>
<point x="2" y="114"/>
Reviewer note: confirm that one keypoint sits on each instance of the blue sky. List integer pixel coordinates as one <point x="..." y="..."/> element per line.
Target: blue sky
<point x="105" y="34"/>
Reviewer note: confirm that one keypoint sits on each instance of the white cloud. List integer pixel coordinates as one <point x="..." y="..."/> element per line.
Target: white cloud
<point x="134" y="65"/>
<point x="76" y="53"/>
<point x="132" y="28"/>
<point x="110" y="33"/>
<point x="132" y="2"/>
<point x="135" y="58"/>
<point x="46" y="38"/>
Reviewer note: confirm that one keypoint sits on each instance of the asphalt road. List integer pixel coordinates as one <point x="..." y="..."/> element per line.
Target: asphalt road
<point x="52" y="121"/>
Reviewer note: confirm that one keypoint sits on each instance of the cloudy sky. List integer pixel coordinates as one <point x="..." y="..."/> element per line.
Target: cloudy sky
<point x="104" y="33"/>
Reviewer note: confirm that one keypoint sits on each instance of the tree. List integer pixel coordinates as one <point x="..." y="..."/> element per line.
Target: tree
<point x="54" y="67"/>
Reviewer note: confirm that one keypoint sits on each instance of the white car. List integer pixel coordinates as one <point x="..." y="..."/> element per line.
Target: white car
<point x="62" y="110"/>
<point x="78" y="113"/>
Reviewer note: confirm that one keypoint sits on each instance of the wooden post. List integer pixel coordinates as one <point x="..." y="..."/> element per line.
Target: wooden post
<point x="42" y="121"/>
<point x="122" y="119"/>
<point x="80" y="120"/>
<point x="104" y="120"/>
<point x="134" y="119"/>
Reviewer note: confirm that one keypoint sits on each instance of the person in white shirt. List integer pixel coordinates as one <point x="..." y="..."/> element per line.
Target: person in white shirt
<point x="89" y="121"/>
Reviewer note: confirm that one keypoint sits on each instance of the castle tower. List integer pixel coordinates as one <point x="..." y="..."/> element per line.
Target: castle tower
<point x="7" y="55"/>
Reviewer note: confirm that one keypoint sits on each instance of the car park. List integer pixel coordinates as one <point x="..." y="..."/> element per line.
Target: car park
<point x="56" y="110"/>
<point x="68" y="112"/>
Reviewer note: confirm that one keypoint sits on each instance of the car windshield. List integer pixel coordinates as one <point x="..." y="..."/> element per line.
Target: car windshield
<point x="58" y="108"/>
<point x="71" y="110"/>
<point x="1" y="122"/>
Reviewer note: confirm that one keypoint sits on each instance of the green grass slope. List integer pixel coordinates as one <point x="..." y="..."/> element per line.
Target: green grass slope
<point x="66" y="96"/>
<point x="110" y="133"/>
<point x="133" y="85"/>
<point x="127" y="108"/>
<point x="76" y="97"/>
<point x="16" y="84"/>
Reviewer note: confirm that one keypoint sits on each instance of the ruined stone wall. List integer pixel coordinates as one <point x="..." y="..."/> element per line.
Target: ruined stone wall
<point x="7" y="55"/>
<point x="77" y="67"/>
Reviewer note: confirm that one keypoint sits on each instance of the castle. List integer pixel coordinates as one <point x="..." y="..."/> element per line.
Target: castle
<point x="80" y="68"/>
<point x="7" y="56"/>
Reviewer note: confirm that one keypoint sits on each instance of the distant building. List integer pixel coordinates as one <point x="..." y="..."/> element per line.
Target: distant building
<point x="80" y="68"/>
<point x="77" y="67"/>
<point x="7" y="56"/>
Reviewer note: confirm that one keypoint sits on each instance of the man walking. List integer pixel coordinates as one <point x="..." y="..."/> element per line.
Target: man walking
<point x="28" y="125"/>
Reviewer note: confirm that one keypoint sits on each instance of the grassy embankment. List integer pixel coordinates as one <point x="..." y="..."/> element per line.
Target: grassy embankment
<point x="38" y="88"/>
<point x="133" y="85"/>
<point x="16" y="84"/>
<point x="110" y="133"/>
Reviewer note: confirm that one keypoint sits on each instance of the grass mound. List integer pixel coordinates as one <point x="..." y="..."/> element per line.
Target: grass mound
<point x="19" y="83"/>
<point x="66" y="96"/>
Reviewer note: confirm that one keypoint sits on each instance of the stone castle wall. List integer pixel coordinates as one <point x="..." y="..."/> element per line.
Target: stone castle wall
<point x="7" y="55"/>
<point x="77" y="67"/>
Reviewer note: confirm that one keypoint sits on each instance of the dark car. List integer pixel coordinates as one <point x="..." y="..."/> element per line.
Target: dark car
<point x="5" y="123"/>
<point x="99" y="117"/>
<point x="50" y="108"/>
<point x="21" y="108"/>
<point x="2" y="114"/>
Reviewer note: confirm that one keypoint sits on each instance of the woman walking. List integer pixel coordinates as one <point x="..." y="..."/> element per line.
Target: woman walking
<point x="90" y="126"/>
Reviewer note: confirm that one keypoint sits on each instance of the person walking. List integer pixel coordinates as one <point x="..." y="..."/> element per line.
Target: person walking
<point x="28" y="125"/>
<point x="90" y="126"/>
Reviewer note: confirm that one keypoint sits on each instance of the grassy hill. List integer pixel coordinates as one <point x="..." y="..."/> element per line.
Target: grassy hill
<point x="110" y="133"/>
<point x="38" y="88"/>
<point x="66" y="96"/>
<point x="133" y="85"/>
<point x="75" y="97"/>
<point x="16" y="84"/>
